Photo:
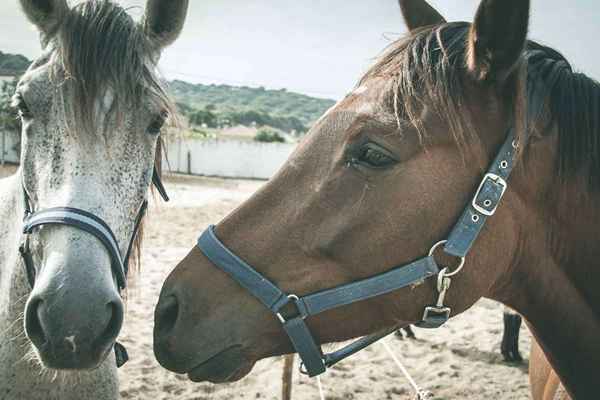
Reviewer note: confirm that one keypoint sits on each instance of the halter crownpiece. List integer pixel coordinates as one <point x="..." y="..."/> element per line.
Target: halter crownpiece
<point x="483" y="205"/>
<point x="92" y="224"/>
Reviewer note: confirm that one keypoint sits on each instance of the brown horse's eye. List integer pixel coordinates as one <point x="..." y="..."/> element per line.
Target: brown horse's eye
<point x="157" y="123"/>
<point x="374" y="156"/>
<point x="22" y="108"/>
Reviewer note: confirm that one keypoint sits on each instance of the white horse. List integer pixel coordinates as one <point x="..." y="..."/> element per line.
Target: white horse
<point x="91" y="108"/>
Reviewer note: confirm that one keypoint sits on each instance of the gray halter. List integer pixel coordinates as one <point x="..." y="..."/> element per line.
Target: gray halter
<point x="92" y="224"/>
<point x="483" y="205"/>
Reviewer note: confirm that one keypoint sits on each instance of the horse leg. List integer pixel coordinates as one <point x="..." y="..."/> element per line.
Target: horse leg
<point x="286" y="379"/>
<point x="407" y="330"/>
<point x="545" y="384"/>
<point x="510" y="337"/>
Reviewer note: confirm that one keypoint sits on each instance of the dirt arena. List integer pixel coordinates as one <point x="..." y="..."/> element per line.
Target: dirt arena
<point x="458" y="361"/>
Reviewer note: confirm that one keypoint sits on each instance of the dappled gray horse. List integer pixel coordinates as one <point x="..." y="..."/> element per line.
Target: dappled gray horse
<point x="92" y="107"/>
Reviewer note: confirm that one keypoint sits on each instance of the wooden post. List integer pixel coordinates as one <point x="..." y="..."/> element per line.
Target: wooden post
<point x="3" y="155"/>
<point x="286" y="378"/>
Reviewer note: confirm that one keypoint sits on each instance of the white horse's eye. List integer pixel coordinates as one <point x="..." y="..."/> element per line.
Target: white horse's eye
<point x="157" y="123"/>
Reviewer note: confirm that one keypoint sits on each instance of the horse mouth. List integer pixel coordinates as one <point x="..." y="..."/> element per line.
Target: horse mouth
<point x="228" y="365"/>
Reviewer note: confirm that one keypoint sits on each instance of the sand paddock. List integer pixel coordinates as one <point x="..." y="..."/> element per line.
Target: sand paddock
<point x="458" y="361"/>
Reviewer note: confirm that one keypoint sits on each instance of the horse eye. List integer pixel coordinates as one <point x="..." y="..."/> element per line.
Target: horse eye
<point x="374" y="156"/>
<point x="157" y="123"/>
<point x="22" y="108"/>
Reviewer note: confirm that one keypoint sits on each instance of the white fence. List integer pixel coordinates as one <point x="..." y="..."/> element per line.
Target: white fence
<point x="227" y="158"/>
<point x="224" y="158"/>
<point x="8" y="151"/>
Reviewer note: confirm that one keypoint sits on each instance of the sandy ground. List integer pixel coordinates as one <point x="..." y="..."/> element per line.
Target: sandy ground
<point x="461" y="360"/>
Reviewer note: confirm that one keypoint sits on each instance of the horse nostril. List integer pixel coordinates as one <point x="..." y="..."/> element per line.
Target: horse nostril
<point x="114" y="310"/>
<point x="166" y="315"/>
<point x="33" y="325"/>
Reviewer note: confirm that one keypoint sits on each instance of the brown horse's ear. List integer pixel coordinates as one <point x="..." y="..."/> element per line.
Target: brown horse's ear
<point x="46" y="15"/>
<point x="418" y="13"/>
<point x="164" y="20"/>
<point x="497" y="38"/>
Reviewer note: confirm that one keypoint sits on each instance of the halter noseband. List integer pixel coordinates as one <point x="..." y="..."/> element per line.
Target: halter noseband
<point x="483" y="205"/>
<point x="90" y="223"/>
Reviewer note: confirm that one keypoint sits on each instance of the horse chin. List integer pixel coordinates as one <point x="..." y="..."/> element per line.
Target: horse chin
<point x="49" y="361"/>
<point x="229" y="365"/>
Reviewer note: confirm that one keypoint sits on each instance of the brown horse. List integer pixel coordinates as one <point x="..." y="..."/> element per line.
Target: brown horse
<point x="385" y="174"/>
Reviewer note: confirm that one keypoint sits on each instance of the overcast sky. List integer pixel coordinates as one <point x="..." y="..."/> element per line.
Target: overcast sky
<point x="318" y="47"/>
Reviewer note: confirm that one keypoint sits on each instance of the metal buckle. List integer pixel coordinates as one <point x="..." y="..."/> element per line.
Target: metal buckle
<point x="295" y="299"/>
<point x="496" y="179"/>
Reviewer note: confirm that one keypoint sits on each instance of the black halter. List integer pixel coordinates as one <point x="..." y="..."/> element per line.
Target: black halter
<point x="482" y="206"/>
<point x="92" y="224"/>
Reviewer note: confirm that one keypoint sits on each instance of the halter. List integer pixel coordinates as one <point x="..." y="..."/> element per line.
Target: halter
<point x="90" y="223"/>
<point x="483" y="205"/>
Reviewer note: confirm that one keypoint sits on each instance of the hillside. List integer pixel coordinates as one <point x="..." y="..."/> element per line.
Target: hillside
<point x="13" y="64"/>
<point x="216" y="106"/>
<point x="225" y="98"/>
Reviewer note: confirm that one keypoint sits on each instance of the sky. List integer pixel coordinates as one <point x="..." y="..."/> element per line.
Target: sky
<point x="316" y="47"/>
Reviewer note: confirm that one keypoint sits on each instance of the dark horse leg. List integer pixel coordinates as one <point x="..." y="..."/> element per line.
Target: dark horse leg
<point x="510" y="337"/>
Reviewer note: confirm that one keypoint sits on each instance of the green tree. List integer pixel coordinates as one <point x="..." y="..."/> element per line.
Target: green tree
<point x="268" y="135"/>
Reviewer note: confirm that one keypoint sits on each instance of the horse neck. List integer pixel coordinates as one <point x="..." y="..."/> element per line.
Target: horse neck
<point x="20" y="375"/>
<point x="554" y="284"/>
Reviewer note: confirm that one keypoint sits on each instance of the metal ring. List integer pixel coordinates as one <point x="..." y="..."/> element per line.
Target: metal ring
<point x="290" y="297"/>
<point x="515" y="144"/>
<point x="474" y="217"/>
<point x="460" y="265"/>
<point x="487" y="202"/>
<point x="503" y="164"/>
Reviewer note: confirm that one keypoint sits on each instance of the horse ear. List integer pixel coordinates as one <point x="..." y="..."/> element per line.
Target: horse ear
<point x="418" y="13"/>
<point x="497" y="38"/>
<point x="46" y="15"/>
<point x="164" y="20"/>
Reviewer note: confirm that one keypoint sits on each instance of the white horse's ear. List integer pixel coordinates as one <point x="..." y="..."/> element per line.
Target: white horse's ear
<point x="164" y="20"/>
<point x="46" y="15"/>
<point x="418" y="13"/>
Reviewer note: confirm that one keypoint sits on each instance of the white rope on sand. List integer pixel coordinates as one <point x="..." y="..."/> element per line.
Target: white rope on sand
<point x="420" y="393"/>
<point x="321" y="394"/>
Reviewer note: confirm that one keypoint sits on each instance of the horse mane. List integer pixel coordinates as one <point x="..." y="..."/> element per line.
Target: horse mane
<point x="98" y="46"/>
<point x="428" y="66"/>
<point x="574" y="107"/>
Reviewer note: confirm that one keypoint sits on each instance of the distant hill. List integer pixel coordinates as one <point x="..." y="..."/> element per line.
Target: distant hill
<point x="242" y="105"/>
<point x="13" y="64"/>
<point x="225" y="98"/>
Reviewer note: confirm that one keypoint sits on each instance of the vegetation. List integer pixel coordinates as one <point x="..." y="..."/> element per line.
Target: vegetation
<point x="268" y="135"/>
<point x="13" y="64"/>
<point x="287" y="110"/>
<point x="8" y="116"/>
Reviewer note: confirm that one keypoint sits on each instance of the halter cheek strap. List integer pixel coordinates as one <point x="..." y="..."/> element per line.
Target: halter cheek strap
<point x="94" y="225"/>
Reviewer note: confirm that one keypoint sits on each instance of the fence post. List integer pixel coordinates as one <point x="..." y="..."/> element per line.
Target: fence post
<point x="3" y="146"/>
<point x="189" y="162"/>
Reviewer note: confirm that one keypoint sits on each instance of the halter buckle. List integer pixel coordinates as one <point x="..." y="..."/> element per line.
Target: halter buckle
<point x="497" y="180"/>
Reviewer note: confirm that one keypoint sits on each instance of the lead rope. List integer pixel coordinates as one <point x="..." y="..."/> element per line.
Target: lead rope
<point x="420" y="394"/>
<point x="320" y="386"/>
